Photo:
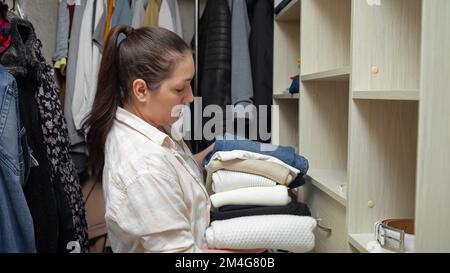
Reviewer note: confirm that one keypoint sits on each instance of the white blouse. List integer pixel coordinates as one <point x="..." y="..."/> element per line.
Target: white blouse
<point x="155" y="201"/>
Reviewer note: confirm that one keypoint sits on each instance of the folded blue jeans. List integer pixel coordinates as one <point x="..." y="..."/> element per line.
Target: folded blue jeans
<point x="286" y="154"/>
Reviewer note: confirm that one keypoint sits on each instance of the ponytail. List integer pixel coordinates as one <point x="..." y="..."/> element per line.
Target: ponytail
<point x="107" y="99"/>
<point x="147" y="53"/>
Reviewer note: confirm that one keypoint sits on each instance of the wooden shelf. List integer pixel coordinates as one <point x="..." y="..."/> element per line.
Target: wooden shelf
<point x="325" y="35"/>
<point x="340" y="74"/>
<point x="331" y="182"/>
<point x="413" y="95"/>
<point x="290" y="13"/>
<point x="383" y="156"/>
<point x="360" y="241"/>
<point x="286" y="54"/>
<point x="286" y="96"/>
<point x="324" y="131"/>
<point x="285" y="123"/>
<point x="433" y="189"/>
<point x="386" y="38"/>
<point x="369" y="76"/>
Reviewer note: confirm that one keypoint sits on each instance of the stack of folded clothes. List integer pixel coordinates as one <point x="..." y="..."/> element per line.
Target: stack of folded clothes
<point x="249" y="185"/>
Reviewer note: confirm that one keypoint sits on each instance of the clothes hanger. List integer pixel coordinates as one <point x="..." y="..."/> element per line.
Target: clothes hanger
<point x="17" y="9"/>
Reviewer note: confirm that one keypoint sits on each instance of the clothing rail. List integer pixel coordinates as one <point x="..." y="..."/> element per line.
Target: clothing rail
<point x="197" y="7"/>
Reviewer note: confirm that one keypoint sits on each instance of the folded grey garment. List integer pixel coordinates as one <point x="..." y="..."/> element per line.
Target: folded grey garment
<point x="283" y="232"/>
<point x="230" y="212"/>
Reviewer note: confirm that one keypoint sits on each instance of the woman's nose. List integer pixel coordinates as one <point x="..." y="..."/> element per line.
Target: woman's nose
<point x="189" y="97"/>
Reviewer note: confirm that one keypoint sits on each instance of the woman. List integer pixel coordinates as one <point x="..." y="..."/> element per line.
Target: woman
<point x="155" y="197"/>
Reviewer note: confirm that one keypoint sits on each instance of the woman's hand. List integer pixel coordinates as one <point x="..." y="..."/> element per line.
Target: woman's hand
<point x="201" y="156"/>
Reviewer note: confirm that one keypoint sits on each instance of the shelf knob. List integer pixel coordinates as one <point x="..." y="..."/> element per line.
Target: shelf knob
<point x="370" y="204"/>
<point x="375" y="70"/>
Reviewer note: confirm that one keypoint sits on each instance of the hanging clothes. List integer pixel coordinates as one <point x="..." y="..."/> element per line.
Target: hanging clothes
<point x="261" y="55"/>
<point x="123" y="14"/>
<point x="16" y="223"/>
<point x="111" y="6"/>
<point x="58" y="146"/>
<point x="169" y="17"/>
<point x="77" y="139"/>
<point x="62" y="37"/>
<point x="47" y="201"/>
<point x="138" y="11"/>
<point x="152" y="13"/>
<point x="88" y="63"/>
<point x="214" y="62"/>
<point x="5" y="34"/>
<point x="241" y="69"/>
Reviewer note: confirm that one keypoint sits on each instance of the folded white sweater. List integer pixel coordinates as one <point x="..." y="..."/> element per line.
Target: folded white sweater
<point x="229" y="180"/>
<point x="239" y="154"/>
<point x="282" y="232"/>
<point x="258" y="196"/>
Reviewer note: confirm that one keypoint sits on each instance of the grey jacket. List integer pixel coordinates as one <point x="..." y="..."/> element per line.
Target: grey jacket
<point x="241" y="69"/>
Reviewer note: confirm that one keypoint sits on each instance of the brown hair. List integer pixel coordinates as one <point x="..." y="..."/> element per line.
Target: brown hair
<point x="147" y="53"/>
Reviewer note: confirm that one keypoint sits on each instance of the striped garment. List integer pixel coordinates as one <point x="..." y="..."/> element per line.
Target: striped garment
<point x="155" y="201"/>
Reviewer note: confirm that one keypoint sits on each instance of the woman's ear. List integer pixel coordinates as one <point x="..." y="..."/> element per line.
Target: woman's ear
<point x="140" y="90"/>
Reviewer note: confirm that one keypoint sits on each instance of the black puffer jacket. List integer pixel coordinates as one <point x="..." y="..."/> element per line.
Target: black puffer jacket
<point x="214" y="60"/>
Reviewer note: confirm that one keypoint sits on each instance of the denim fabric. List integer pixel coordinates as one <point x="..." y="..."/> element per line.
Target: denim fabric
<point x="286" y="154"/>
<point x="16" y="224"/>
<point x="46" y="198"/>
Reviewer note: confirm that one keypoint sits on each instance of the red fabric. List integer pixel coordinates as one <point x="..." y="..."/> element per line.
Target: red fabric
<point x="5" y="35"/>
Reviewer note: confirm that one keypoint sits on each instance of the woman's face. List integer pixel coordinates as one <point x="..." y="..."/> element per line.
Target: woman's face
<point x="161" y="107"/>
